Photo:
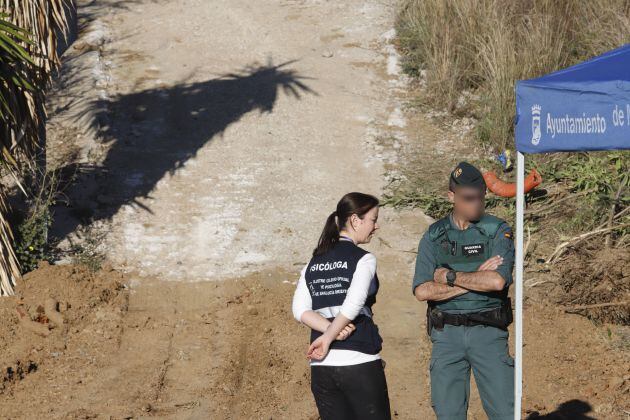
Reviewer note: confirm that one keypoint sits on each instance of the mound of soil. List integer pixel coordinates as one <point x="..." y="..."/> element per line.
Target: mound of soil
<point x="572" y="368"/>
<point x="595" y="283"/>
<point x="58" y="309"/>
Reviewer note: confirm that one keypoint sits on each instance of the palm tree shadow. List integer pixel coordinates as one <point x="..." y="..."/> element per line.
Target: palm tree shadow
<point x="569" y="410"/>
<point x="154" y="132"/>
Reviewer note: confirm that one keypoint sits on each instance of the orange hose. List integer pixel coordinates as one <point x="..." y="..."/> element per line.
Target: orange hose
<point x="508" y="189"/>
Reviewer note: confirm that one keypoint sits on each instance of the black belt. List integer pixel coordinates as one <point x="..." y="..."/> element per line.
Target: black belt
<point x="459" y="320"/>
<point x="500" y="317"/>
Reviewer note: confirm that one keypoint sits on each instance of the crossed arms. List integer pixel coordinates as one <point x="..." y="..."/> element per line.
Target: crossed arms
<point x="485" y="279"/>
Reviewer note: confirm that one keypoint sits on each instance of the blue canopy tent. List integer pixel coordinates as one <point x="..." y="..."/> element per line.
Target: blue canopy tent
<point x="583" y="107"/>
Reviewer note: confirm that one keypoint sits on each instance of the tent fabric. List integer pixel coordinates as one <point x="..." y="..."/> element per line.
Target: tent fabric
<point x="582" y="107"/>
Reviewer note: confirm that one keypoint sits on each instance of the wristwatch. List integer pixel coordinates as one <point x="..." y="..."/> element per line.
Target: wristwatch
<point x="451" y="275"/>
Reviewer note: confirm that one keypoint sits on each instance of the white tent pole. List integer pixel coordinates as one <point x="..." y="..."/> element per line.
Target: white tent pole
<point x="518" y="327"/>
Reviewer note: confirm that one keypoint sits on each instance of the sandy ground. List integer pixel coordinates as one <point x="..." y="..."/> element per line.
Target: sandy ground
<point x="209" y="140"/>
<point x="229" y="350"/>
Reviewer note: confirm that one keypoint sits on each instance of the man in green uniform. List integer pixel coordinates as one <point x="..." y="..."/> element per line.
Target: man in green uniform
<point x="463" y="269"/>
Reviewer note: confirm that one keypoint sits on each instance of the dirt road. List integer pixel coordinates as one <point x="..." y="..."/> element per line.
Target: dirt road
<point x="210" y="140"/>
<point x="218" y="137"/>
<point x="227" y="130"/>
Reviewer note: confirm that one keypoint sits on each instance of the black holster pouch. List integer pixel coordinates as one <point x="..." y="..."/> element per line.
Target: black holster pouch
<point x="500" y="317"/>
<point x="435" y="318"/>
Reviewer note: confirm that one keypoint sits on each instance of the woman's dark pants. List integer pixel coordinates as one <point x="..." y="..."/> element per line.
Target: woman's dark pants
<point x="354" y="392"/>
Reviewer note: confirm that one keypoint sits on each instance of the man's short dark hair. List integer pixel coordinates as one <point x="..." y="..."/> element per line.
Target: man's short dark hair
<point x="451" y="184"/>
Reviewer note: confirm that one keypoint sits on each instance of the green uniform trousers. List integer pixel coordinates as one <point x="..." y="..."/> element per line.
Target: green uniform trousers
<point x="457" y="349"/>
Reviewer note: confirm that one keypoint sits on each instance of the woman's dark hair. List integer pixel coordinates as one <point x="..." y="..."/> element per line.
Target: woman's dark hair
<point x="351" y="203"/>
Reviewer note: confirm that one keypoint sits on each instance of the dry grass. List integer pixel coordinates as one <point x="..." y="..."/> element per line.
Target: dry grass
<point x="486" y="45"/>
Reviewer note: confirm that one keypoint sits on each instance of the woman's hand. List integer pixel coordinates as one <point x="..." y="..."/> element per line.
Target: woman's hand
<point x="319" y="348"/>
<point x="345" y="333"/>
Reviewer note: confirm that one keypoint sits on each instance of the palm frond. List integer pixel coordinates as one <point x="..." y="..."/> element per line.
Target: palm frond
<point x="29" y="33"/>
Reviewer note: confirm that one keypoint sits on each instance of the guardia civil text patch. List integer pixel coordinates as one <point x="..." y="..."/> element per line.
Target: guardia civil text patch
<point x="472" y="250"/>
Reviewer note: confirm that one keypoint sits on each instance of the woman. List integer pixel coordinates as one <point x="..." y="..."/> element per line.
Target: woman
<point x="334" y="297"/>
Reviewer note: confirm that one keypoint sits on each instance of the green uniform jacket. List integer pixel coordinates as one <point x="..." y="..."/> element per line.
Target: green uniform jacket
<point x="445" y="245"/>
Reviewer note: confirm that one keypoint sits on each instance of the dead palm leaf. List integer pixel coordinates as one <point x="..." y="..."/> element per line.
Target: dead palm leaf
<point x="29" y="32"/>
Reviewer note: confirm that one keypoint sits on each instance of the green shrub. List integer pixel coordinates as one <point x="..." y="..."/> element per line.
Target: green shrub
<point x="31" y="244"/>
<point x="601" y="179"/>
<point x="31" y="241"/>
